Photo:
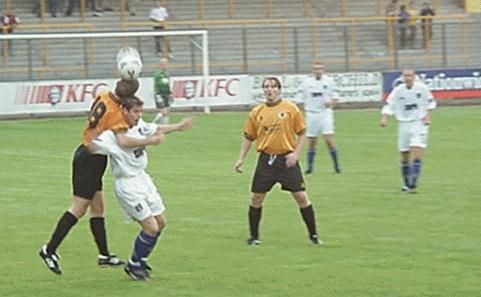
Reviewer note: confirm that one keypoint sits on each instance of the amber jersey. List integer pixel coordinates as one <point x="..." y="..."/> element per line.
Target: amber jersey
<point x="275" y="128"/>
<point x="105" y="114"/>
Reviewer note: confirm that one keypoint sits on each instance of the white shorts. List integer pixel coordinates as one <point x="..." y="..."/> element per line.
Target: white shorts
<point x="320" y="123"/>
<point x="412" y="134"/>
<point x="138" y="197"/>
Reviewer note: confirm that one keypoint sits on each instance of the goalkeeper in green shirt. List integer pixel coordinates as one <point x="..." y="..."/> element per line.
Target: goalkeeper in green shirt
<point x="163" y="95"/>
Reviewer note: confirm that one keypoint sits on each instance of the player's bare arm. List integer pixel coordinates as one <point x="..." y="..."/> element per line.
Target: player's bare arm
<point x="427" y="119"/>
<point x="292" y="158"/>
<point x="181" y="126"/>
<point x="384" y="120"/>
<point x="245" y="147"/>
<point x="130" y="142"/>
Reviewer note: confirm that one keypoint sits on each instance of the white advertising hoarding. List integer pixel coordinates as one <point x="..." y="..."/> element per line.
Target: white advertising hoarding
<point x="45" y="97"/>
<point x="352" y="87"/>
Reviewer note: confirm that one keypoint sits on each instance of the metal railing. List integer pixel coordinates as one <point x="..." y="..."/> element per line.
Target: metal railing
<point x="274" y="45"/>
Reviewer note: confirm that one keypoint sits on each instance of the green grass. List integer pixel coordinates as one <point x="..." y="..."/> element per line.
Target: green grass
<point x="379" y="241"/>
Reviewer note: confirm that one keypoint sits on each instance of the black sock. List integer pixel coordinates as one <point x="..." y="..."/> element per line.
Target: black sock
<point x="97" y="226"/>
<point x="309" y="219"/>
<point x="66" y="222"/>
<point x="254" y="219"/>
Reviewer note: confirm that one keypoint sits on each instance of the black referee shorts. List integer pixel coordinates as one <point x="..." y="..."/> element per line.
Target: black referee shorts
<point x="271" y="170"/>
<point x="87" y="172"/>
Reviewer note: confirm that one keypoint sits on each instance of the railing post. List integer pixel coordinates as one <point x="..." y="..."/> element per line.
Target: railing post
<point x="42" y="10"/>
<point x="86" y="59"/>
<point x="231" y="11"/>
<point x="396" y="53"/>
<point x="29" y="53"/>
<point x="305" y="7"/>
<point x="244" y="47"/>
<point x="82" y="11"/>
<point x="296" y="49"/>
<point x="268" y="8"/>
<point x="284" y="51"/>
<point x="343" y="8"/>
<point x="200" y="9"/>
<point x="123" y="14"/>
<point x="192" y="55"/>
<point x="444" y="46"/>
<point x="346" y="48"/>
<point x="5" y="46"/>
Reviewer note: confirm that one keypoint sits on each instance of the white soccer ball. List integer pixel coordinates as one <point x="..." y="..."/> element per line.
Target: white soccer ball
<point x="129" y="63"/>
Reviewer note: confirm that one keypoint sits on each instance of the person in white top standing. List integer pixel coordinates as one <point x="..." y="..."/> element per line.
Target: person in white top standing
<point x="159" y="15"/>
<point x="319" y="94"/>
<point x="133" y="187"/>
<point x="411" y="102"/>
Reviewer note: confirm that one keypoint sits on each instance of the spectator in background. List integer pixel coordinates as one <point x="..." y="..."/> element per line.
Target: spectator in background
<point x="391" y="12"/>
<point x="97" y="7"/>
<point x="426" y="26"/>
<point x="53" y="6"/>
<point x="412" y="23"/>
<point x="10" y="20"/>
<point x="403" y="25"/>
<point x="392" y="9"/>
<point x="132" y="7"/>
<point x="159" y="15"/>
<point x="71" y="6"/>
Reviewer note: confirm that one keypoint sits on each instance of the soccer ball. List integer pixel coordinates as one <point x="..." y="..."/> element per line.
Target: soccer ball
<point x="129" y="63"/>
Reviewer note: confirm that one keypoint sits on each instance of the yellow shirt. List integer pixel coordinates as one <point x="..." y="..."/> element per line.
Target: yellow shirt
<point x="274" y="128"/>
<point x="412" y="16"/>
<point x="105" y="114"/>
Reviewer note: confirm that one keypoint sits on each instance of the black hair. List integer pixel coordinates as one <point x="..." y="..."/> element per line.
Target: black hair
<point x="272" y="78"/>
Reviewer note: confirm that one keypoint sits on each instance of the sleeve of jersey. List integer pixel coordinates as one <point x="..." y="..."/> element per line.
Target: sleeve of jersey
<point x="431" y="100"/>
<point x="148" y="129"/>
<point x="388" y="105"/>
<point x="299" y="125"/>
<point x="105" y="143"/>
<point x="250" y="131"/>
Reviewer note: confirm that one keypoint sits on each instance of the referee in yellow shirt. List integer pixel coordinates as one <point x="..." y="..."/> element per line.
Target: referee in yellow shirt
<point x="278" y="128"/>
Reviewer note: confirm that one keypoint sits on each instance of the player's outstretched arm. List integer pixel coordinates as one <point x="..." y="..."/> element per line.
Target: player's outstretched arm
<point x="245" y="147"/>
<point x="130" y="142"/>
<point x="183" y="125"/>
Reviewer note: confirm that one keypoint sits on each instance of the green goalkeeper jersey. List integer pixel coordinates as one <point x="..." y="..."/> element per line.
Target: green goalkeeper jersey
<point x="162" y="82"/>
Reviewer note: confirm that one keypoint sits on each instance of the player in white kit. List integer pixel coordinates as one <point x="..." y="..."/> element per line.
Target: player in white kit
<point x="319" y="94"/>
<point x="133" y="187"/>
<point x="411" y="103"/>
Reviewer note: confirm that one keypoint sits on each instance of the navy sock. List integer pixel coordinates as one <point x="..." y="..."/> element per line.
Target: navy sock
<point x="333" y="152"/>
<point x="405" y="172"/>
<point x="144" y="243"/>
<point x="415" y="172"/>
<point x="311" y="154"/>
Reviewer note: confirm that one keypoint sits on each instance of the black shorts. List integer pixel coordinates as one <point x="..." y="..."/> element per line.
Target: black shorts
<point x="87" y="172"/>
<point x="164" y="100"/>
<point x="268" y="173"/>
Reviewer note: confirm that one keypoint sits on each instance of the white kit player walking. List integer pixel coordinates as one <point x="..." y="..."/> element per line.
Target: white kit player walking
<point x="319" y="94"/>
<point x="411" y="103"/>
<point x="133" y="187"/>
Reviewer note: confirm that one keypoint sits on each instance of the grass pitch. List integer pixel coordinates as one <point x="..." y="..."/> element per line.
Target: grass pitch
<point x="379" y="241"/>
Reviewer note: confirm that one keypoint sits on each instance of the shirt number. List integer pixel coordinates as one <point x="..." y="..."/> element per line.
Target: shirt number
<point x="96" y="112"/>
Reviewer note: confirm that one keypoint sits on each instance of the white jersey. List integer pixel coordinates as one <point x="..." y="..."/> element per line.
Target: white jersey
<point x="409" y="105"/>
<point x="316" y="93"/>
<point x="125" y="162"/>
